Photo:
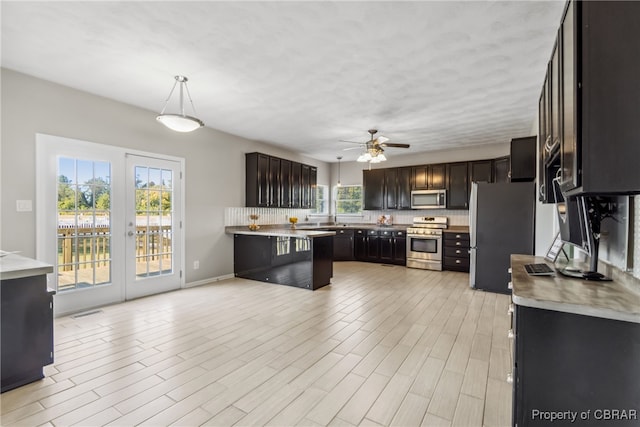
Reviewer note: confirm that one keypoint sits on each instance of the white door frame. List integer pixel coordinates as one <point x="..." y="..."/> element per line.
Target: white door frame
<point x="48" y="149"/>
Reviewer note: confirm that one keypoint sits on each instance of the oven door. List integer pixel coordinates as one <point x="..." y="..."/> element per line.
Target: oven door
<point x="424" y="247"/>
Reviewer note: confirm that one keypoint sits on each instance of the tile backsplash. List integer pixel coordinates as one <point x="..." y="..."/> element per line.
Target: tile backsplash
<point x="240" y="216"/>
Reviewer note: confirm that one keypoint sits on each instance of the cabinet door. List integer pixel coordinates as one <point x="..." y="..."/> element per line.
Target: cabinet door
<point x="373" y="189"/>
<point x="458" y="186"/>
<point x="305" y="186"/>
<point x="501" y="169"/>
<point x="285" y="183"/>
<point x="555" y="106"/>
<point x="399" y="248"/>
<point x="343" y="249"/>
<point x="481" y="171"/>
<point x="360" y="245"/>
<point x="390" y="188"/>
<point x="404" y="188"/>
<point x="420" y="179"/>
<point x="386" y="246"/>
<point x="523" y="159"/>
<point x="569" y="158"/>
<point x="373" y="247"/>
<point x="296" y="185"/>
<point x="313" y="182"/>
<point x="274" y="182"/>
<point x="437" y="174"/>
<point x="262" y="179"/>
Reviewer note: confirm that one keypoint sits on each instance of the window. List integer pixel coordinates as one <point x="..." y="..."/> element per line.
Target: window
<point x="322" y="200"/>
<point x="348" y="199"/>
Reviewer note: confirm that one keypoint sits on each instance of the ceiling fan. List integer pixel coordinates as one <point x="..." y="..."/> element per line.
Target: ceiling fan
<point x="374" y="148"/>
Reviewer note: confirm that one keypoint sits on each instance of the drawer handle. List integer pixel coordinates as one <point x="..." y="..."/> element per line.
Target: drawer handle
<point x="458" y="243"/>
<point x="458" y="236"/>
<point x="510" y="285"/>
<point x="458" y="251"/>
<point x="509" y="270"/>
<point x="510" y="334"/>
<point x="458" y="261"/>
<point x="510" y="378"/>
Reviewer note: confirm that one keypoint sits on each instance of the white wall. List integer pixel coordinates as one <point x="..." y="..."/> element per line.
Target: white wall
<point x="215" y="162"/>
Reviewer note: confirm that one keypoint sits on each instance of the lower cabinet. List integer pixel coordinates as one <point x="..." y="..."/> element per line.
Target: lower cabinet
<point x="27" y="330"/>
<point x="581" y="368"/>
<point x="456" y="251"/>
<point x="386" y="246"/>
<point x="343" y="245"/>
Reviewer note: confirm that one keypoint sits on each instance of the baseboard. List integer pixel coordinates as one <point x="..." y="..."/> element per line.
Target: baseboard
<point x="208" y="281"/>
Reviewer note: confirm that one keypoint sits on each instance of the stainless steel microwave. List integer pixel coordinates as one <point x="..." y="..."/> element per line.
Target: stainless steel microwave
<point x="429" y="199"/>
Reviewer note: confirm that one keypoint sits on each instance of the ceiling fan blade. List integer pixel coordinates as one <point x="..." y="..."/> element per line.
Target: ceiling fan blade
<point x="351" y="142"/>
<point x="391" y="144"/>
<point x="382" y="139"/>
<point x="352" y="148"/>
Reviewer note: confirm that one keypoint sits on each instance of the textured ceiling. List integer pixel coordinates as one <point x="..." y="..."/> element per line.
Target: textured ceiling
<point x="304" y="75"/>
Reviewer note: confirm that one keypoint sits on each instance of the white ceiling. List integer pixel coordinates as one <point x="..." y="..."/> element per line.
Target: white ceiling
<point x="304" y="75"/>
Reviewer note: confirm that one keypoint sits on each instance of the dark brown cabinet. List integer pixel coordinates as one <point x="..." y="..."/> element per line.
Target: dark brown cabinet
<point x="501" y="169"/>
<point x="373" y="189"/>
<point x="397" y="188"/>
<point x="375" y="245"/>
<point x="595" y="98"/>
<point x="456" y="251"/>
<point x="523" y="159"/>
<point x="343" y="245"/>
<point x="428" y="177"/>
<point x="457" y="186"/>
<point x="275" y="182"/>
<point x="360" y="245"/>
<point x="27" y="330"/>
<point x="481" y="171"/>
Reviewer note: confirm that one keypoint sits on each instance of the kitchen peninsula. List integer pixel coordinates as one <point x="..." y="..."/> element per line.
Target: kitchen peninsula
<point x="27" y="320"/>
<point x="576" y="347"/>
<point x="292" y="257"/>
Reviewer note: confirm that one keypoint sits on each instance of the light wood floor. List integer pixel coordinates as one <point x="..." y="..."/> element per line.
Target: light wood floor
<point x="382" y="345"/>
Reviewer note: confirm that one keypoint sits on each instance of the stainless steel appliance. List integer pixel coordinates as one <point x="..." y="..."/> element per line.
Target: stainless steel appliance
<point x="424" y="242"/>
<point x="501" y="223"/>
<point x="429" y="199"/>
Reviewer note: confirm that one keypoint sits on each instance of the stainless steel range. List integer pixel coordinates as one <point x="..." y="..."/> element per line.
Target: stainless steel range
<point x="424" y="242"/>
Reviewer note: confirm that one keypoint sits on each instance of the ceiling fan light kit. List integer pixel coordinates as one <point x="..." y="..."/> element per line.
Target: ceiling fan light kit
<point x="180" y="122"/>
<point x="373" y="151"/>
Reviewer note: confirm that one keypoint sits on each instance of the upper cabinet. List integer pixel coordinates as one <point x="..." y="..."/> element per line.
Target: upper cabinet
<point x="373" y="189"/>
<point x="501" y="169"/>
<point x="593" y="101"/>
<point x="387" y="188"/>
<point x="523" y="159"/>
<point x="457" y="186"/>
<point x="279" y="183"/>
<point x="428" y="177"/>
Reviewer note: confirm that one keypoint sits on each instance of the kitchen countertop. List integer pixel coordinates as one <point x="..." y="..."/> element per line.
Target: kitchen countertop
<point x="617" y="300"/>
<point x="14" y="266"/>
<point x="279" y="232"/>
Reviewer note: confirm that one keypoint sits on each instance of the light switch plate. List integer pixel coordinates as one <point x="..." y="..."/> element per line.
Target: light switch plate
<point x="24" y="205"/>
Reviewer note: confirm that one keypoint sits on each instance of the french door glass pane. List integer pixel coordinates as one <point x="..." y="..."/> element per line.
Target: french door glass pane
<point x="154" y="212"/>
<point x="84" y="226"/>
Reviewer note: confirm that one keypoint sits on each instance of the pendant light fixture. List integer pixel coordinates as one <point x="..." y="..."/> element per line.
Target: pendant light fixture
<point x="339" y="158"/>
<point x="180" y="122"/>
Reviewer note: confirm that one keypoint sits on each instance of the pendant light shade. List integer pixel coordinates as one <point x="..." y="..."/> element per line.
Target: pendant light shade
<point x="180" y="122"/>
<point x="339" y="158"/>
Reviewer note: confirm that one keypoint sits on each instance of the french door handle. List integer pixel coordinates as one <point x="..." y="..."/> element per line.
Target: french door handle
<point x="130" y="233"/>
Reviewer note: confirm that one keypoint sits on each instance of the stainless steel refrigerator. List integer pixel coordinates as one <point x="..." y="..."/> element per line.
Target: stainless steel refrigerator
<point x="501" y="223"/>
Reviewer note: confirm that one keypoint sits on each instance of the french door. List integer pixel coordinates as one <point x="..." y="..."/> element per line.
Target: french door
<point x="109" y="220"/>
<point x="153" y="226"/>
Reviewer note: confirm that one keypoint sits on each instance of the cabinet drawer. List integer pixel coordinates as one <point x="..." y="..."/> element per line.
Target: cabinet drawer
<point x="455" y="263"/>
<point x="456" y="251"/>
<point x="464" y="244"/>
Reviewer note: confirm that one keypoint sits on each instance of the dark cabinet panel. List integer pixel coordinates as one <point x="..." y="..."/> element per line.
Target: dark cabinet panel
<point x="373" y="189"/>
<point x="285" y="184"/>
<point x="373" y="246"/>
<point x="343" y="245"/>
<point x="523" y="159"/>
<point x="428" y="177"/>
<point x="399" y="247"/>
<point x="360" y="245"/>
<point x="457" y="186"/>
<point x="456" y="251"/>
<point x="386" y="246"/>
<point x="275" y="182"/>
<point x="594" y="93"/>
<point x="390" y="189"/>
<point x="404" y="188"/>
<point x="501" y="169"/>
<point x="481" y="171"/>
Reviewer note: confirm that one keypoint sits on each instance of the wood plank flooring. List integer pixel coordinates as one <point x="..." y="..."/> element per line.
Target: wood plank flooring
<point x="383" y="345"/>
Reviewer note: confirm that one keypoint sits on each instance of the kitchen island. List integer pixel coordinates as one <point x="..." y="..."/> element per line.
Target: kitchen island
<point x="576" y="348"/>
<point x="292" y="257"/>
<point x="27" y="320"/>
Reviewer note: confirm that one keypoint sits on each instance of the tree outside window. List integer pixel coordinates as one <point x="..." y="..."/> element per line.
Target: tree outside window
<point x="348" y="199"/>
<point x="322" y="200"/>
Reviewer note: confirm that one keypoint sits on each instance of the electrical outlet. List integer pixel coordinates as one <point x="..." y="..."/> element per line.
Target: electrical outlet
<point x="24" y="206"/>
<point x="196" y="265"/>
